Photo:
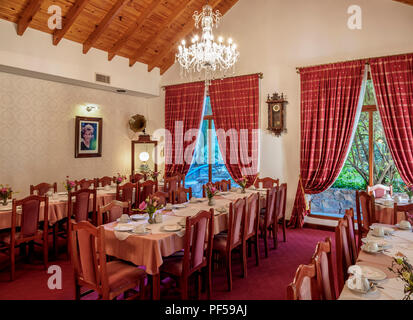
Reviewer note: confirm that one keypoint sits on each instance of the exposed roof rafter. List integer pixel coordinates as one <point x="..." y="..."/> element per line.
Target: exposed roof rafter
<point x="27" y="16"/>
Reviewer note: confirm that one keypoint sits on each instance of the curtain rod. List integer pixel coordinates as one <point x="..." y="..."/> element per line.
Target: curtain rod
<point x="260" y="75"/>
<point x="365" y="59"/>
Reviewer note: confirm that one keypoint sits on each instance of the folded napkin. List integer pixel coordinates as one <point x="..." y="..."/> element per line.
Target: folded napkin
<point x="357" y="281"/>
<point x="122" y="235"/>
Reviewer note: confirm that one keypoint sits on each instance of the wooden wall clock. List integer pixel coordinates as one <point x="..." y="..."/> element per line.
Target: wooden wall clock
<point x="276" y="113"/>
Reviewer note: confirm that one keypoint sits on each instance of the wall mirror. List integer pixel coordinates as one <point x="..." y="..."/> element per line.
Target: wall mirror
<point x="144" y="155"/>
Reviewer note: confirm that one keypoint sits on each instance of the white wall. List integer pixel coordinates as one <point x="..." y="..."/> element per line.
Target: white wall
<point x="276" y="36"/>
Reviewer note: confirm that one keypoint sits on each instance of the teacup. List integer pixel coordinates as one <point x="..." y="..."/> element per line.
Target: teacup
<point x="372" y="246"/>
<point x="405" y="224"/>
<point x="378" y="231"/>
<point x="124" y="218"/>
<point x="140" y="228"/>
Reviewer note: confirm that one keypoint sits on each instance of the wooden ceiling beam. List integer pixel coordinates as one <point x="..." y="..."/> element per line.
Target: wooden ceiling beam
<point x="70" y="18"/>
<point x="27" y="16"/>
<point x="410" y="2"/>
<point x="137" y="25"/>
<point x="166" y="25"/>
<point x="187" y="29"/>
<point x="94" y="36"/>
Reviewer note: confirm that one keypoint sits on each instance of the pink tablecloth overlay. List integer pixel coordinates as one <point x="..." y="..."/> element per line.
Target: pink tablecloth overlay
<point x="384" y="214"/>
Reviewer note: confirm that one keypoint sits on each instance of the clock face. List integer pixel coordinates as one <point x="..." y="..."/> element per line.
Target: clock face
<point x="276" y="108"/>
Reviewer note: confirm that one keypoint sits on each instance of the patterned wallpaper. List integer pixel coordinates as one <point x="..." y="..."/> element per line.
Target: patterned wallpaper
<point x="37" y="131"/>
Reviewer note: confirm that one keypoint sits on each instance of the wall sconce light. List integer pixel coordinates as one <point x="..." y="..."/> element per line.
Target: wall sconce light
<point x="90" y="108"/>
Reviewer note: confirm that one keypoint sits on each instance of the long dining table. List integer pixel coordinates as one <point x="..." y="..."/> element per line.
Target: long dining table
<point x="150" y="249"/>
<point x="391" y="288"/>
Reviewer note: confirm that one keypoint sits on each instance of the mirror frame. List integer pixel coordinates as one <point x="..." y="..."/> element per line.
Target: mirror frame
<point x="143" y="139"/>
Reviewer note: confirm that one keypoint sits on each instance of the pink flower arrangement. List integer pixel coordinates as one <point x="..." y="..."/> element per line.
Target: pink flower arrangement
<point x="150" y="206"/>
<point x="154" y="175"/>
<point x="408" y="188"/>
<point x="5" y="192"/>
<point x="211" y="190"/>
<point x="119" y="179"/>
<point x="243" y="182"/>
<point x="69" y="184"/>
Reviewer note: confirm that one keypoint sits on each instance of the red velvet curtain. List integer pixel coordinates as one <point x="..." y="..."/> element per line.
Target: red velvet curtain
<point x="393" y="84"/>
<point x="183" y="113"/>
<point x="329" y="100"/>
<point x="235" y="106"/>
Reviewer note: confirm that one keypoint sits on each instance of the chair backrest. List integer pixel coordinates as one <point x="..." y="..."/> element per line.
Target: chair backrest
<point x="85" y="184"/>
<point x="236" y="223"/>
<point x="125" y="192"/>
<point x="280" y="203"/>
<point x="324" y="267"/>
<point x="172" y="183"/>
<point x="112" y="211"/>
<point x="182" y="195"/>
<point x="42" y="188"/>
<point x="199" y="231"/>
<point x="252" y="216"/>
<point x="304" y="285"/>
<point x="163" y="196"/>
<point x="365" y="212"/>
<point x="343" y="253"/>
<point x="30" y="215"/>
<point x="80" y="207"/>
<point x="136" y="177"/>
<point x="223" y="185"/>
<point x="181" y="177"/>
<point x="379" y="190"/>
<point x="266" y="183"/>
<point x="146" y="189"/>
<point x="270" y="207"/>
<point x="351" y="236"/>
<point x="104" y="181"/>
<point x="87" y="248"/>
<point x="407" y="209"/>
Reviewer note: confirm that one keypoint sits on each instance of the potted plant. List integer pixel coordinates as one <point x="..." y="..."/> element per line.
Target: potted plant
<point x="408" y="188"/>
<point x="211" y="192"/>
<point x="5" y="193"/>
<point x="404" y="271"/>
<point x="150" y="206"/>
<point x="243" y="183"/>
<point x="69" y="184"/>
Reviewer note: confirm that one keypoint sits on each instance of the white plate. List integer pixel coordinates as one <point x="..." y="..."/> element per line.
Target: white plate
<point x="363" y="247"/>
<point x="398" y="226"/>
<point x="373" y="274"/>
<point x="172" y="227"/>
<point x="139" y="216"/>
<point x="372" y="289"/>
<point x="5" y="208"/>
<point x="140" y="233"/>
<point x="123" y="228"/>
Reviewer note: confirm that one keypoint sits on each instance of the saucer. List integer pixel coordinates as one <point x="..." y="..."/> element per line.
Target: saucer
<point x="124" y="228"/>
<point x="402" y="228"/>
<point x="381" y="243"/>
<point x="139" y="216"/>
<point x="178" y="206"/>
<point x="364" y="248"/>
<point x="172" y="227"/>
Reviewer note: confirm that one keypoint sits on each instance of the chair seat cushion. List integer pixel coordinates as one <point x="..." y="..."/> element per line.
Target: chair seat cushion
<point x="220" y="243"/>
<point x="7" y="239"/>
<point x="121" y="275"/>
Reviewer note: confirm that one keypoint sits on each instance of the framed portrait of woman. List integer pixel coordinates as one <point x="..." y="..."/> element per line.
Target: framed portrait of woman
<point x="88" y="137"/>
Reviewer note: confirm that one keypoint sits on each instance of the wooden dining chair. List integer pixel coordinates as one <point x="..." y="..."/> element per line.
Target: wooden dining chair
<point x="104" y="181"/>
<point x="181" y="178"/>
<point x="251" y="235"/>
<point x="343" y="252"/>
<point x="351" y="235"/>
<point x="128" y="192"/>
<point x="30" y="230"/>
<point x="280" y="205"/>
<point x="266" y="183"/>
<point x="145" y="189"/>
<point x="136" y="177"/>
<point x="379" y="190"/>
<point x="163" y="196"/>
<point x="112" y="211"/>
<point x="365" y="206"/>
<point x="267" y="221"/>
<point x="172" y="183"/>
<point x="223" y="185"/>
<point x="406" y="209"/>
<point x="182" y="195"/>
<point x="85" y="184"/>
<point x="199" y="232"/>
<point x="322" y="259"/>
<point x="91" y="269"/>
<point x="224" y="244"/>
<point x="304" y="285"/>
<point x="42" y="188"/>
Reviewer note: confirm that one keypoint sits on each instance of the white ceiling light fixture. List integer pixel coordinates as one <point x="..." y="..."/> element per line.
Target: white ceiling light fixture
<point x="205" y="55"/>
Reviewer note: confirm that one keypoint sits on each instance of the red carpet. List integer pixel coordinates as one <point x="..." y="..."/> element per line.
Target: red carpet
<point x="268" y="281"/>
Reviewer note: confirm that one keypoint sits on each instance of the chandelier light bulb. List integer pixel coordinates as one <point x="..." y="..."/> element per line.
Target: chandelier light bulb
<point x="144" y="156"/>
<point x="230" y="40"/>
<point x="220" y="39"/>
<point x="183" y="43"/>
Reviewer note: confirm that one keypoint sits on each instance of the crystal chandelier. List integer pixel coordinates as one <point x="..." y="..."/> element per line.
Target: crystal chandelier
<point x="205" y="55"/>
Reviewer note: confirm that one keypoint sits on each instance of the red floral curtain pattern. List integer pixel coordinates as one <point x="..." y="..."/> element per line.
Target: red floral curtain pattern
<point x="235" y="106"/>
<point x="183" y="112"/>
<point x="393" y="84"/>
<point x="329" y="100"/>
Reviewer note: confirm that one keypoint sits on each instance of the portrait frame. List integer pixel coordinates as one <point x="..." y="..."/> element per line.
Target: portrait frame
<point x="88" y="137"/>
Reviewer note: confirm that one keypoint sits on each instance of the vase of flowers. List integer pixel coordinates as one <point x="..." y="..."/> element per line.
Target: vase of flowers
<point x="5" y="193"/>
<point x="119" y="179"/>
<point x="242" y="183"/>
<point x="69" y="184"/>
<point x="211" y="191"/>
<point x="408" y="188"/>
<point x="151" y="205"/>
<point x="404" y="271"/>
<point x="154" y="175"/>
